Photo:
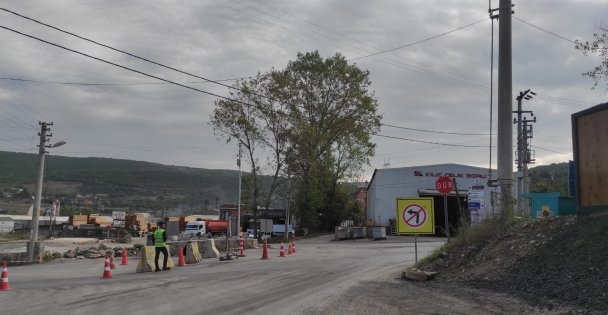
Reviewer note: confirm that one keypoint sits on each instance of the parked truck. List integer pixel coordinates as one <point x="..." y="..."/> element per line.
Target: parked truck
<point x="206" y="227"/>
<point x="279" y="229"/>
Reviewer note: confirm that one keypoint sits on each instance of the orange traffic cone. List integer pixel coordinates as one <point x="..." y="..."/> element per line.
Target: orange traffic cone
<point x="4" y="279"/>
<point x="290" y="250"/>
<point x="265" y="252"/>
<point x="107" y="273"/>
<point x="294" y="245"/>
<point x="282" y="251"/>
<point x="181" y="261"/>
<point x="241" y="246"/>
<point x="124" y="257"/>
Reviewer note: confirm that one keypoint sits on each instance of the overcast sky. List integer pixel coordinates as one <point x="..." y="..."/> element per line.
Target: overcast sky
<point x="441" y="84"/>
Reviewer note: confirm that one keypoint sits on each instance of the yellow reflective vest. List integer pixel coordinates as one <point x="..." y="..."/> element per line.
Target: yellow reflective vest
<point x="159" y="238"/>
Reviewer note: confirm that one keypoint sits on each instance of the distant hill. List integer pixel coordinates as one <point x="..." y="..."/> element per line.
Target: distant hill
<point x="550" y="178"/>
<point x="136" y="184"/>
<point x="128" y="183"/>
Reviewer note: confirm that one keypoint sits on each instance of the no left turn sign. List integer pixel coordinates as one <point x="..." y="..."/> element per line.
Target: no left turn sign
<point x="414" y="215"/>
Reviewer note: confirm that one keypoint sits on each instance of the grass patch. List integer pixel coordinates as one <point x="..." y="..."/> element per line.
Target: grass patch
<point x="468" y="235"/>
<point x="472" y="234"/>
<point x="579" y="243"/>
<point x="435" y="254"/>
<point x="14" y="236"/>
<point x="47" y="257"/>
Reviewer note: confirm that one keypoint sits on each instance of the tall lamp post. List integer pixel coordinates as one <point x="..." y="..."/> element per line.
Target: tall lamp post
<point x="44" y="137"/>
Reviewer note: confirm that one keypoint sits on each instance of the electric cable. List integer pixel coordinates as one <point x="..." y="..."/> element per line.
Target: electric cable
<point x="124" y="83"/>
<point x="121" y="66"/>
<point x="125" y="52"/>
<point x="441" y="132"/>
<point x="419" y="41"/>
<point x="544" y="30"/>
<point x="535" y="146"/>
<point x="430" y="142"/>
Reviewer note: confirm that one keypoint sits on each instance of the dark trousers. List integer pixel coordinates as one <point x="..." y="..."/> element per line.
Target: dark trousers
<point x="165" y="254"/>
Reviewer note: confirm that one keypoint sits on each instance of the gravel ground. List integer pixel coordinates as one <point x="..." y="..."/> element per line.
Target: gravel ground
<point x="550" y="264"/>
<point x="403" y="297"/>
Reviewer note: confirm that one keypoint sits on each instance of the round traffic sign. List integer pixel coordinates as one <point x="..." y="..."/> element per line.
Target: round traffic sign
<point x="414" y="215"/>
<point x="444" y="184"/>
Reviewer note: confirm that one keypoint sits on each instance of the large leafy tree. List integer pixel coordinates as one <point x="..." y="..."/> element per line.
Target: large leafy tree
<point x="235" y="119"/>
<point x="598" y="46"/>
<point x="332" y="115"/>
<point x="255" y="120"/>
<point x="312" y="120"/>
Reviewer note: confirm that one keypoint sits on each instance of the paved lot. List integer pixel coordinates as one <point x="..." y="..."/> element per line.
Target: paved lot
<point x="321" y="271"/>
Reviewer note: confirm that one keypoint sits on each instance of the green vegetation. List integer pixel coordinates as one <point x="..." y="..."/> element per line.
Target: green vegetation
<point x="435" y="254"/>
<point x="550" y="178"/>
<point x="598" y="47"/>
<point x="579" y="243"/>
<point x="131" y="184"/>
<point x="470" y="235"/>
<point x="47" y="257"/>
<point x="312" y="122"/>
<point x="14" y="236"/>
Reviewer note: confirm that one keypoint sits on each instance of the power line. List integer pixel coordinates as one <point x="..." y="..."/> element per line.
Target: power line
<point x="535" y="146"/>
<point x="442" y="132"/>
<point x="419" y="41"/>
<point x="127" y="53"/>
<point x="430" y="142"/>
<point x="544" y="30"/>
<point x="121" y="66"/>
<point x="95" y="84"/>
<point x="148" y="75"/>
<point x="442" y="76"/>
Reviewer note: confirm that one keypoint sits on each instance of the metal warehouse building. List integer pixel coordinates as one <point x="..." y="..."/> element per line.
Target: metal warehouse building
<point x="389" y="184"/>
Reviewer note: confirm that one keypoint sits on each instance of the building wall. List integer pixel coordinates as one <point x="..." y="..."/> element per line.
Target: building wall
<point x="389" y="184"/>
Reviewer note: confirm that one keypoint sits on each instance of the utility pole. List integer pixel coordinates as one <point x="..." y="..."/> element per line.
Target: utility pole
<point x="522" y="150"/>
<point x="287" y="208"/>
<point x="44" y="128"/>
<point x="238" y="216"/>
<point x="505" y="107"/>
<point x="164" y="204"/>
<point x="528" y="153"/>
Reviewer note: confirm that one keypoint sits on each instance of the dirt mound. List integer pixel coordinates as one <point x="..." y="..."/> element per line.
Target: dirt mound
<point x="551" y="261"/>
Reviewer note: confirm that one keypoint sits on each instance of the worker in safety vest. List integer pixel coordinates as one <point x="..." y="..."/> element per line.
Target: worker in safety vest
<point x="160" y="237"/>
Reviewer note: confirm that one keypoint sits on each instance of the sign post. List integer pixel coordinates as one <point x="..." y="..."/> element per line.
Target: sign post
<point x="415" y="216"/>
<point x="444" y="185"/>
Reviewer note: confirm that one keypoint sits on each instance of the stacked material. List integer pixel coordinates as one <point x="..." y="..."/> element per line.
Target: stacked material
<point x="77" y="220"/>
<point x="99" y="220"/>
<point x="138" y="221"/>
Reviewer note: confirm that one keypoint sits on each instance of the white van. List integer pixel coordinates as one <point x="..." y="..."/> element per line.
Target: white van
<point x="196" y="228"/>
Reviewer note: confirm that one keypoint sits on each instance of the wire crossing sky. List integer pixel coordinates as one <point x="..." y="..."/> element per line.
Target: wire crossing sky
<point x="428" y="62"/>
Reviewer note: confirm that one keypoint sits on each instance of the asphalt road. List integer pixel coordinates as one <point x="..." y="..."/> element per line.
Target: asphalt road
<point x="319" y="272"/>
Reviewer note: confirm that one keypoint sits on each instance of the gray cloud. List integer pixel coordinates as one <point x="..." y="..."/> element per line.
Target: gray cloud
<point x="441" y="84"/>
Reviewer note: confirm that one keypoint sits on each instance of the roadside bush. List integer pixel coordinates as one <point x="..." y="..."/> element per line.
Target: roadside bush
<point x="47" y="257"/>
<point x="14" y="236"/>
<point x="469" y="234"/>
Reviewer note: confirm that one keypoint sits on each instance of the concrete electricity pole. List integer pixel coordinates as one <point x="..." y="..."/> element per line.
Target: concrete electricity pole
<point x="44" y="128"/>
<point x="505" y="107"/>
<point x="522" y="148"/>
